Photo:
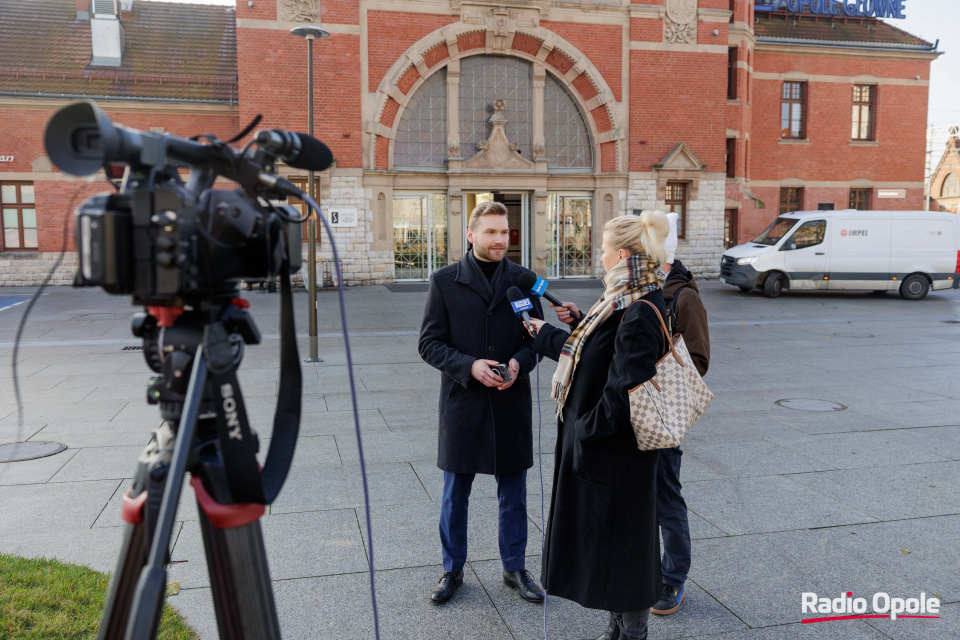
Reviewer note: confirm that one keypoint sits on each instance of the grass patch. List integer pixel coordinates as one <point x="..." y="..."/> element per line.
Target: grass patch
<point x="42" y="598"/>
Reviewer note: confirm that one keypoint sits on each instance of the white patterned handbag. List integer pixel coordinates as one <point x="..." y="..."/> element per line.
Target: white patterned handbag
<point x="663" y="408"/>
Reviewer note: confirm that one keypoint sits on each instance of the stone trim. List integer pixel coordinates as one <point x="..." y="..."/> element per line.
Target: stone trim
<point x="502" y="33"/>
<point x="799" y="76"/>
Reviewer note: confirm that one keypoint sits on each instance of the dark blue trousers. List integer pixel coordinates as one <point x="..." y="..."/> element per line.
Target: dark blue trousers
<point x="672" y="512"/>
<point x="512" y="498"/>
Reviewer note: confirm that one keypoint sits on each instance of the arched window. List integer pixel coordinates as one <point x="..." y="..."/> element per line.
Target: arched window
<point x="951" y="186"/>
<point x="421" y="140"/>
<point x="483" y="79"/>
<point x="565" y="131"/>
<point x="422" y="134"/>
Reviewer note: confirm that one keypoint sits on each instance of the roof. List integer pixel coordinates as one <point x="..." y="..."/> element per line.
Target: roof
<point x="172" y="52"/>
<point x="869" y="33"/>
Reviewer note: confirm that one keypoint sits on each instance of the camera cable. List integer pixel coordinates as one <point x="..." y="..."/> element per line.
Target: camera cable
<point x="26" y="314"/>
<point x="356" y="412"/>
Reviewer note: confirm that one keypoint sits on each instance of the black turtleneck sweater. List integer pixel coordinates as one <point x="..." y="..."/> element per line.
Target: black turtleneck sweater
<point x="488" y="267"/>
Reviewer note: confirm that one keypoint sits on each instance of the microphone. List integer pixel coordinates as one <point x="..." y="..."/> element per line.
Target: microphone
<point x="521" y="307"/>
<point x="530" y="282"/>
<point x="296" y="149"/>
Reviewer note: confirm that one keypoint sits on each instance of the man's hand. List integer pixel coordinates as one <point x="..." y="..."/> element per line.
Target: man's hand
<point x="482" y="372"/>
<point x="514" y="368"/>
<point x="568" y="313"/>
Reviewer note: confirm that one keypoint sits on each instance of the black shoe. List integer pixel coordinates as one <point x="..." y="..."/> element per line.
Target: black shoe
<point x="525" y="585"/>
<point x="669" y="601"/>
<point x="445" y="589"/>
<point x="612" y="632"/>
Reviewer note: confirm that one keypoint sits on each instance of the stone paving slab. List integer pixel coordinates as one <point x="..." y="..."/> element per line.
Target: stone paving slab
<point x="892" y="493"/>
<point x="781" y="501"/>
<point x="299" y="545"/>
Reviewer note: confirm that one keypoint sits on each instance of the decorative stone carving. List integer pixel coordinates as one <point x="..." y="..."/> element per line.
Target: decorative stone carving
<point x="539" y="151"/>
<point x="680" y="25"/>
<point x="500" y="17"/>
<point x="497" y="152"/>
<point x="500" y="20"/>
<point x="299" y="10"/>
<point x="682" y="11"/>
<point x="453" y="149"/>
<point x="680" y="165"/>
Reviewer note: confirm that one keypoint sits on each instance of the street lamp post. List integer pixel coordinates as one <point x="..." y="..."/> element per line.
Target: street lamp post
<point x="311" y="32"/>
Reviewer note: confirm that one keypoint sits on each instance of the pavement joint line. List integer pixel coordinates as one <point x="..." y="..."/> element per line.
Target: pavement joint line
<point x="839" y="526"/>
<point x="420" y="480"/>
<point x="492" y="603"/>
<point x="717" y="600"/>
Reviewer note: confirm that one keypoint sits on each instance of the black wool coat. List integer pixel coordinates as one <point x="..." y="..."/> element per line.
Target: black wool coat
<point x="482" y="430"/>
<point x="602" y="545"/>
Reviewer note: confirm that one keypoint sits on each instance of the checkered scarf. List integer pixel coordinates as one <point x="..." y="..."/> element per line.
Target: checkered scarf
<point x="633" y="278"/>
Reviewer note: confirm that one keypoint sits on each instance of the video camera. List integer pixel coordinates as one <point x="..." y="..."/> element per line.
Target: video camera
<point x="169" y="242"/>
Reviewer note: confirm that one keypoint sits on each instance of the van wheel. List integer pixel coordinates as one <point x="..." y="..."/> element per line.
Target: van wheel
<point x="773" y="285"/>
<point x="914" y="287"/>
<point x="746" y="289"/>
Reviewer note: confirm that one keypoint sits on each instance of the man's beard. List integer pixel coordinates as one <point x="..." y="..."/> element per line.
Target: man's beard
<point x="487" y="254"/>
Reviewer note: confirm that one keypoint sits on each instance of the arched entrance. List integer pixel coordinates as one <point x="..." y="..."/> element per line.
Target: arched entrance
<point x="518" y="123"/>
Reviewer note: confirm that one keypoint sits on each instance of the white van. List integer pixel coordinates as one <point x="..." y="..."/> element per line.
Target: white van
<point x="909" y="251"/>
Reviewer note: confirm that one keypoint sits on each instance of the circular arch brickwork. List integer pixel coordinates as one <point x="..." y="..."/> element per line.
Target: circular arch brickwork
<point x="582" y="80"/>
<point x="23" y="152"/>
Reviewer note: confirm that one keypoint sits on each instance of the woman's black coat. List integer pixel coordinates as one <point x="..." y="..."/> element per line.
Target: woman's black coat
<point x="603" y="545"/>
<point x="482" y="430"/>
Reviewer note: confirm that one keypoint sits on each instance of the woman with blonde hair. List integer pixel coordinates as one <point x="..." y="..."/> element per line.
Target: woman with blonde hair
<point x="602" y="546"/>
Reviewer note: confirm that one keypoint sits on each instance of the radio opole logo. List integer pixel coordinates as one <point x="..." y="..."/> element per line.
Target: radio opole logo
<point x="882" y="605"/>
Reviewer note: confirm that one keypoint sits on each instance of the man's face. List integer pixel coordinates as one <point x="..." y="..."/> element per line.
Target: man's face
<point x="491" y="237"/>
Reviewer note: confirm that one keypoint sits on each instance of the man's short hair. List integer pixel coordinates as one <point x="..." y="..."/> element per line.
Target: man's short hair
<point x="486" y="209"/>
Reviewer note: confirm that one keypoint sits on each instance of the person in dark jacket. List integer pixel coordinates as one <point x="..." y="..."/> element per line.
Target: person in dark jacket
<point x="682" y="296"/>
<point x="602" y="547"/>
<point x="485" y="419"/>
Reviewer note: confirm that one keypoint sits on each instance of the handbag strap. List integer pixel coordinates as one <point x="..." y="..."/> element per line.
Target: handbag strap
<point x="663" y="329"/>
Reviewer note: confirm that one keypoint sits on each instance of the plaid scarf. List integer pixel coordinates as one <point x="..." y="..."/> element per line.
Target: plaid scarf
<point x="633" y="278"/>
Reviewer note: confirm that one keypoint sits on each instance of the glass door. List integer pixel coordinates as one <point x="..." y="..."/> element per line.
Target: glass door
<point x="419" y="235"/>
<point x="569" y="235"/>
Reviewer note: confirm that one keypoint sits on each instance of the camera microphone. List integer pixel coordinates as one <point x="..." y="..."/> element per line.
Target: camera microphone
<point x="530" y="282"/>
<point x="296" y="149"/>
<point x="521" y="306"/>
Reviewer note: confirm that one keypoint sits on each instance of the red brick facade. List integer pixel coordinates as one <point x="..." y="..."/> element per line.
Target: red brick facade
<point x="643" y="86"/>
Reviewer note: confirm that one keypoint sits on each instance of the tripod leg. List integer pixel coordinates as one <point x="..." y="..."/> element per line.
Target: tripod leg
<point x="136" y="511"/>
<point x="237" y="563"/>
<point x="133" y="555"/>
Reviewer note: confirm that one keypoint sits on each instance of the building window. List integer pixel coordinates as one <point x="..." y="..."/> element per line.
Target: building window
<point x="567" y="140"/>
<point x="731" y="157"/>
<point x="732" y="73"/>
<point x="301" y="183"/>
<point x="676" y="201"/>
<point x="793" y="110"/>
<point x="483" y="79"/>
<point x="791" y="199"/>
<point x="860" y="199"/>
<point x="864" y="99"/>
<point x="19" y="216"/>
<point x="951" y="186"/>
<point x="422" y="133"/>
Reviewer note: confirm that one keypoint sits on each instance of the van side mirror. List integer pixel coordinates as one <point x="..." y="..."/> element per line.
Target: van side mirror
<point x="789" y="245"/>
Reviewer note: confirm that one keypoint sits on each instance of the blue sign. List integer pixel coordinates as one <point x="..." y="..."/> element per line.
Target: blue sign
<point x="848" y="8"/>
<point x="522" y="305"/>
<point x="540" y="287"/>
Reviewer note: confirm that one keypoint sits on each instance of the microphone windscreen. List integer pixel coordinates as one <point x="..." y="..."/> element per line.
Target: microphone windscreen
<point x="313" y="156"/>
<point x="527" y="281"/>
<point x="514" y="294"/>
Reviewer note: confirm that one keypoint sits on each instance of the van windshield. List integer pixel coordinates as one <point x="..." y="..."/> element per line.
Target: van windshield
<point x="775" y="231"/>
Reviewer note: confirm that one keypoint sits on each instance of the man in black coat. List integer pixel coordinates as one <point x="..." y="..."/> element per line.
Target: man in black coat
<point x="485" y="419"/>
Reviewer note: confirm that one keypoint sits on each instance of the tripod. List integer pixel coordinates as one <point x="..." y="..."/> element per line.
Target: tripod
<point x="195" y="352"/>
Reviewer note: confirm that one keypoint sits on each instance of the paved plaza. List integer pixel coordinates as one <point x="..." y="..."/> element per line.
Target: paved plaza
<point x="782" y="501"/>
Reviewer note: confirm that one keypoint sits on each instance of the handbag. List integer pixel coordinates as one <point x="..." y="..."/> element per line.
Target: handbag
<point x="664" y="407"/>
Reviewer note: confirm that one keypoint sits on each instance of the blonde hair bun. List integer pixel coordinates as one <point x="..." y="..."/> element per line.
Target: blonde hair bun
<point x="645" y="233"/>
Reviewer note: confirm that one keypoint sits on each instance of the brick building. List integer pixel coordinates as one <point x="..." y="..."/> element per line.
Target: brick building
<point x="945" y="181"/>
<point x="569" y="112"/>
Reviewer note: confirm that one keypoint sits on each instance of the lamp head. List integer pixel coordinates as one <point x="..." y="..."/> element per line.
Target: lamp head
<point x="309" y="32"/>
